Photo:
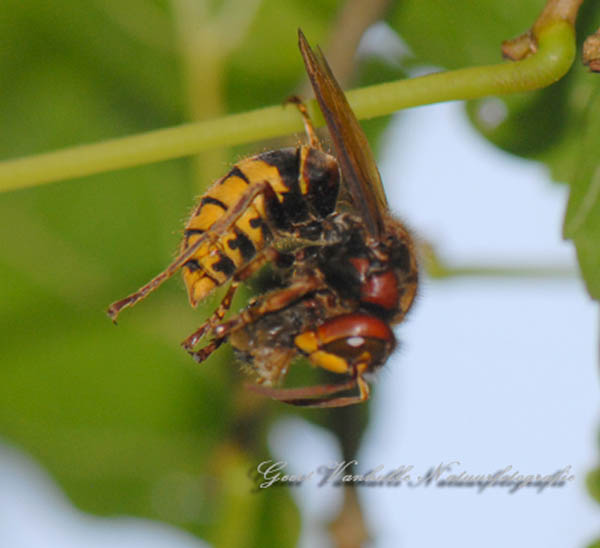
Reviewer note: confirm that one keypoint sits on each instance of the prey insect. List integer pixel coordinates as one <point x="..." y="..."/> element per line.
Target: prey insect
<point x="347" y="273"/>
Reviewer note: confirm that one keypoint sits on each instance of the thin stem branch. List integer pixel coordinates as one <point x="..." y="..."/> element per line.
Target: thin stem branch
<point x="550" y="272"/>
<point x="555" y="54"/>
<point x="527" y="44"/>
<point x="555" y="10"/>
<point x="437" y="268"/>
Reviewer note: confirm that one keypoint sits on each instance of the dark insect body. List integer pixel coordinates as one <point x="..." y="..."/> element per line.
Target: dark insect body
<point x="345" y="276"/>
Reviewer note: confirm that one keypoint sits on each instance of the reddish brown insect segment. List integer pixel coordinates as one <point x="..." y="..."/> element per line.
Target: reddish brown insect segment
<point x="379" y="289"/>
<point x="344" y="276"/>
<point x="347" y="340"/>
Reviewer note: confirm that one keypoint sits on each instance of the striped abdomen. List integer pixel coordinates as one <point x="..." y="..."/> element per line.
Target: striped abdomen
<point x="303" y="185"/>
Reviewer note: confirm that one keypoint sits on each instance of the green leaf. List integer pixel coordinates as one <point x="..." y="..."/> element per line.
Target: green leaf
<point x="593" y="484"/>
<point x="260" y="74"/>
<point x="582" y="219"/>
<point x="544" y="125"/>
<point x="460" y="33"/>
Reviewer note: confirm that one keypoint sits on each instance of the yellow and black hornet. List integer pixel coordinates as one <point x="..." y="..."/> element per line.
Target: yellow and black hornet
<point x="347" y="272"/>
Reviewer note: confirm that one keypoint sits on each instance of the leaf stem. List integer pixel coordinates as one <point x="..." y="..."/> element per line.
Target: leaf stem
<point x="554" y="56"/>
<point x="438" y="269"/>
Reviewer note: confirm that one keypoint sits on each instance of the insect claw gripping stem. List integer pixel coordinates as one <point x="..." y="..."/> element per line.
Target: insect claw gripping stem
<point x="313" y="140"/>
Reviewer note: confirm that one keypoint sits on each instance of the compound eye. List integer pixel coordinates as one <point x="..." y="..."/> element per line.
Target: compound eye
<point x="357" y="349"/>
<point x="348" y="340"/>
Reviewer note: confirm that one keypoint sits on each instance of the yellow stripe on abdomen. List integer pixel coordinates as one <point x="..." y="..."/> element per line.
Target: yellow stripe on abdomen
<point x="216" y="262"/>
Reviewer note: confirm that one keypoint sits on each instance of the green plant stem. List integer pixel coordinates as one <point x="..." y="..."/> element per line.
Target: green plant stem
<point x="437" y="268"/>
<point x="555" y="54"/>
<point x="536" y="273"/>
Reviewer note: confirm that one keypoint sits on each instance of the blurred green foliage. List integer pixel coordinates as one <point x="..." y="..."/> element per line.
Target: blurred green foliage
<point x="461" y="33"/>
<point x="593" y="481"/>
<point x="593" y="484"/>
<point x="120" y="416"/>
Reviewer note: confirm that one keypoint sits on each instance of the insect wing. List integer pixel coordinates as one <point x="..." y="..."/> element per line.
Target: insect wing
<point x="352" y="148"/>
